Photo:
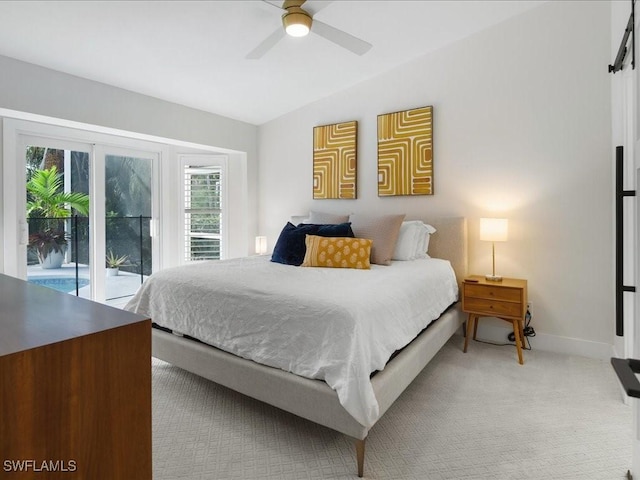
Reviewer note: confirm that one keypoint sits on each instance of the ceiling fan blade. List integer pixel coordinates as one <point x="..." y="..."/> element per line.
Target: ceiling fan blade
<point x="266" y="45"/>
<point x="315" y="7"/>
<point x="279" y="7"/>
<point x="341" y="38"/>
<point x="312" y="8"/>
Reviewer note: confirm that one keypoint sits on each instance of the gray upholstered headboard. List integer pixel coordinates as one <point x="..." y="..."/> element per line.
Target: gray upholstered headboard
<point x="450" y="242"/>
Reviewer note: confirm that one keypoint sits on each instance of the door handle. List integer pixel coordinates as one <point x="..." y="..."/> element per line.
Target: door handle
<point x="626" y="370"/>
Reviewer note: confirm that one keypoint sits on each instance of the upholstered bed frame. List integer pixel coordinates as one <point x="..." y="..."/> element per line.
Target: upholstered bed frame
<point x="314" y="399"/>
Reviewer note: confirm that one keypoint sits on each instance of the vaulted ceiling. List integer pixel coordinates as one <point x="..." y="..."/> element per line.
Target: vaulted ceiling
<point x="194" y="53"/>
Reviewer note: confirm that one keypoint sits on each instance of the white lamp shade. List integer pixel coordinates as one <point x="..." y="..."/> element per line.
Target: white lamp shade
<point x="261" y="245"/>
<point x="494" y="229"/>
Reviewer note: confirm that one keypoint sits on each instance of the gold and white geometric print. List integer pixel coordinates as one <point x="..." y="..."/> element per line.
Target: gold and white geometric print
<point x="405" y="152"/>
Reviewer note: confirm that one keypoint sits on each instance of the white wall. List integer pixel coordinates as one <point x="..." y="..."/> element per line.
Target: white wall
<point x="29" y="88"/>
<point x="522" y="129"/>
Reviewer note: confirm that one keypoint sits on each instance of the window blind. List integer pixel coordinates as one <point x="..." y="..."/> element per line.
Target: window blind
<point x="202" y="212"/>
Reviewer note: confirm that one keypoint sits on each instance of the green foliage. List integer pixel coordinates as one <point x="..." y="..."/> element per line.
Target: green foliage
<point x="128" y="186"/>
<point x="114" y="261"/>
<point x="128" y="196"/>
<point x="34" y="158"/>
<point x="46" y="198"/>
<point x="128" y="183"/>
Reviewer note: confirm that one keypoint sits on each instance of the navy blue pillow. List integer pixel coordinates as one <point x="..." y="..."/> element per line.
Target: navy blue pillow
<point x="290" y="247"/>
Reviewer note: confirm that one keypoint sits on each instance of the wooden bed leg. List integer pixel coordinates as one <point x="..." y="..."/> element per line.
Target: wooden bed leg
<point x="360" y="457"/>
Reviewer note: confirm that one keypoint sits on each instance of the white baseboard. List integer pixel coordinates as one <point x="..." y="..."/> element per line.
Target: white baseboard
<point x="549" y="343"/>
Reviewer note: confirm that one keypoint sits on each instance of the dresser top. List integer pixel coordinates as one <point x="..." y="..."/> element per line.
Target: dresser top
<point x="32" y="316"/>
<point x="505" y="282"/>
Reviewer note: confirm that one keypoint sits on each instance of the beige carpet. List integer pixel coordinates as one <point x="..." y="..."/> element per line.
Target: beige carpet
<point x="471" y="416"/>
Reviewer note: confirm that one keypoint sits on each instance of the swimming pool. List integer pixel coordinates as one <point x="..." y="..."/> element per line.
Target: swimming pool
<point x="63" y="284"/>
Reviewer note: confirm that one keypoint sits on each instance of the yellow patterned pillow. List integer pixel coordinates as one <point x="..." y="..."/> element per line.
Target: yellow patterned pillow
<point x="337" y="252"/>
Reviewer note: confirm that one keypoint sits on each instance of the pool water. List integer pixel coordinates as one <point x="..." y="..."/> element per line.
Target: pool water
<point x="63" y="284"/>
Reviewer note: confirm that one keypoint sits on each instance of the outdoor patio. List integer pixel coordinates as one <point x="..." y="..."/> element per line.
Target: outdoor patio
<point x="118" y="289"/>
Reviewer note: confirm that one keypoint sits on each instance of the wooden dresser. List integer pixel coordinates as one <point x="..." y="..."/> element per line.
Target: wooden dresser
<point x="75" y="387"/>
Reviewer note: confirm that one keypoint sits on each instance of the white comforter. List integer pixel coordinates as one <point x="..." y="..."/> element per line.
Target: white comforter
<point x="338" y="325"/>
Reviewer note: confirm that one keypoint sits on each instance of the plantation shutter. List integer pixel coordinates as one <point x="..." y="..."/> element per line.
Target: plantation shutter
<point x="202" y="212"/>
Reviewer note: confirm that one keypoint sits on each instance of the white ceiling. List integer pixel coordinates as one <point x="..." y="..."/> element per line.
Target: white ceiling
<point x="193" y="53"/>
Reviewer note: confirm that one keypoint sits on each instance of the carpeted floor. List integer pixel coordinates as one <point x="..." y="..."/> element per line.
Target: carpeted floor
<point x="470" y="416"/>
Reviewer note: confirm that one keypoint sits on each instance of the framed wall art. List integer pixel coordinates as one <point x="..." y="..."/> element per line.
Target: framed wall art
<point x="405" y="152"/>
<point x="334" y="160"/>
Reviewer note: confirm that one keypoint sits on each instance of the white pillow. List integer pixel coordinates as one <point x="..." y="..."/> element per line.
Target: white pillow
<point x="413" y="240"/>
<point x="408" y="241"/>
<point x="424" y="233"/>
<point x="297" y="219"/>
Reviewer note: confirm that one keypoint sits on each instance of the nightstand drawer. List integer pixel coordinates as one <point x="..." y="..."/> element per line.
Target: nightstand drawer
<point x="492" y="308"/>
<point x="493" y="292"/>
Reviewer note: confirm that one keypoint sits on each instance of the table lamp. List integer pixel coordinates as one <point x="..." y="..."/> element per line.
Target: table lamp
<point x="493" y="230"/>
<point x="261" y="245"/>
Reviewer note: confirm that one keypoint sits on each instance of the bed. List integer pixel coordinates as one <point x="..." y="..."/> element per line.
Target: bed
<point x="348" y="394"/>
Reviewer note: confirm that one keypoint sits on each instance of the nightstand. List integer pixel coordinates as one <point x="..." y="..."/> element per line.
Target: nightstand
<point x="506" y="300"/>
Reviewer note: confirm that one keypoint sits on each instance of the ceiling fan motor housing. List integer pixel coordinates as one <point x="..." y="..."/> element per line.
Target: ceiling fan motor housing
<point x="297" y="22"/>
<point x="287" y="4"/>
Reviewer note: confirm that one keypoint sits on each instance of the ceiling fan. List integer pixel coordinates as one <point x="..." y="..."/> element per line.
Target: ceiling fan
<point x="298" y="23"/>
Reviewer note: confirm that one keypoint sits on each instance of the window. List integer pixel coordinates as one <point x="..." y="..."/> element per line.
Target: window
<point x="203" y="209"/>
<point x="125" y="176"/>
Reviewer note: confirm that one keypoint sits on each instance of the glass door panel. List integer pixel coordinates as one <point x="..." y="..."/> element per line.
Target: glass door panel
<point x="57" y="191"/>
<point x="128" y="213"/>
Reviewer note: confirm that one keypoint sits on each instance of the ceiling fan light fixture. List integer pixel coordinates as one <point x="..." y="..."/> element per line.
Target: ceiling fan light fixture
<point x="297" y="23"/>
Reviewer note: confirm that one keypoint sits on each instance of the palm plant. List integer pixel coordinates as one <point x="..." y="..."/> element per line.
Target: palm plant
<point x="46" y="199"/>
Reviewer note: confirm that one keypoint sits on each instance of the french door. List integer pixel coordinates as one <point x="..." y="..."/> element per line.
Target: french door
<point x="103" y="252"/>
<point x="125" y="187"/>
<point x="129" y="233"/>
